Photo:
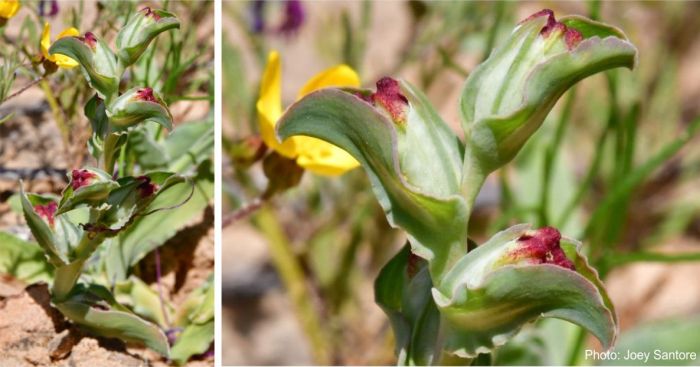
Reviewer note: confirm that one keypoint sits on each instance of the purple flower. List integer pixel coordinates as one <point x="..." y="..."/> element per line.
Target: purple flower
<point x="53" y="11"/>
<point x="293" y="17"/>
<point x="257" y="12"/>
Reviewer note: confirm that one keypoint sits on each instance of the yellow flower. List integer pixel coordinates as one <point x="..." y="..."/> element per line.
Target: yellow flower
<point x="313" y="154"/>
<point x="8" y="8"/>
<point x="60" y="60"/>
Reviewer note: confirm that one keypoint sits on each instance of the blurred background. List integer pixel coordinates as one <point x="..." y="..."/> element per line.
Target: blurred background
<point x="616" y="165"/>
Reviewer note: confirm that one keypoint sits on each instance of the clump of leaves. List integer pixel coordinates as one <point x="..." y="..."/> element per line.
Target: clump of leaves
<point x="444" y="300"/>
<point x="104" y="220"/>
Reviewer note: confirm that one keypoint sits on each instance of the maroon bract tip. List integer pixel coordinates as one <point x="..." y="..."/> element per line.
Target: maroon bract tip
<point x="146" y="94"/>
<point x="572" y="37"/>
<point x="81" y="177"/>
<point x="89" y="39"/>
<point x="148" y="12"/>
<point x="389" y="96"/>
<point x="412" y="266"/>
<point x="47" y="212"/>
<point x="543" y="248"/>
<point x="146" y="188"/>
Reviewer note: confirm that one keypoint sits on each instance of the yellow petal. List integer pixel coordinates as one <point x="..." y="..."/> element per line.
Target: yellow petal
<point x="8" y="8"/>
<point x="64" y="61"/>
<point x="68" y="32"/>
<point x="46" y="41"/>
<point x="337" y="76"/>
<point x="316" y="155"/>
<point x="269" y="106"/>
<point x="323" y="158"/>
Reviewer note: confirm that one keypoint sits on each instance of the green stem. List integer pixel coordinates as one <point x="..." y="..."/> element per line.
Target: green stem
<point x="56" y="111"/>
<point x="292" y="276"/>
<point x="577" y="347"/>
<point x="491" y="40"/>
<point x="638" y="175"/>
<point x="617" y="258"/>
<point x="65" y="278"/>
<point x="550" y="158"/>
<point x="122" y="161"/>
<point x="587" y="181"/>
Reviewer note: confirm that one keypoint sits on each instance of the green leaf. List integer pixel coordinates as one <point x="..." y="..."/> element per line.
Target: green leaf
<point x="189" y="145"/>
<point x="196" y="316"/>
<point x="40" y="228"/>
<point x="142" y="28"/>
<point x="507" y="97"/>
<point x="138" y="105"/>
<point x="482" y="287"/>
<point x="198" y="307"/>
<point x="23" y="260"/>
<point x="663" y="336"/>
<point x="195" y="339"/>
<point x="95" y="309"/>
<point x="143" y="300"/>
<point x="135" y="195"/>
<point x="148" y="232"/>
<point x="402" y="290"/>
<point x="95" y="112"/>
<point x="147" y="152"/>
<point x="111" y="148"/>
<point x="97" y="62"/>
<point x="416" y="183"/>
<point x="94" y="191"/>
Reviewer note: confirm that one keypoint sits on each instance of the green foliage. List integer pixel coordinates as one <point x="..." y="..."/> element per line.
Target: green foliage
<point x="196" y="319"/>
<point x="662" y="336"/>
<point x="110" y="216"/>
<point x="23" y="260"/>
<point x="408" y="199"/>
<point x="427" y="183"/>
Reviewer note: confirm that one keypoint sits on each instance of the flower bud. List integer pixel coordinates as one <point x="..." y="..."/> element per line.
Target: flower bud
<point x="388" y="96"/>
<point x="507" y="98"/>
<point x="283" y="173"/>
<point x="247" y="151"/>
<point x="138" y="105"/>
<point x="413" y="159"/>
<point x="97" y="62"/>
<point x="141" y="29"/>
<point x="40" y="214"/>
<point x="538" y="247"/>
<point x="87" y="186"/>
<point x="529" y="273"/>
<point x="47" y="212"/>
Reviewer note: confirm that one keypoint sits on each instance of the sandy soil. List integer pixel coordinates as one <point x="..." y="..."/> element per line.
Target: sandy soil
<point x="33" y="333"/>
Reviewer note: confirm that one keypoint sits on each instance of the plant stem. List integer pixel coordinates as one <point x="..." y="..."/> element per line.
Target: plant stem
<point x="550" y="158"/>
<point x="619" y="258"/>
<point x="65" y="278"/>
<point x="292" y="276"/>
<point x="23" y="89"/>
<point x="242" y="212"/>
<point x="638" y="175"/>
<point x="577" y="347"/>
<point x="587" y="181"/>
<point x="56" y="111"/>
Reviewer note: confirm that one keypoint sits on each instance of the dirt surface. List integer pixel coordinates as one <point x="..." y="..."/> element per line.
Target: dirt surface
<point x="36" y="334"/>
<point x="32" y="331"/>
